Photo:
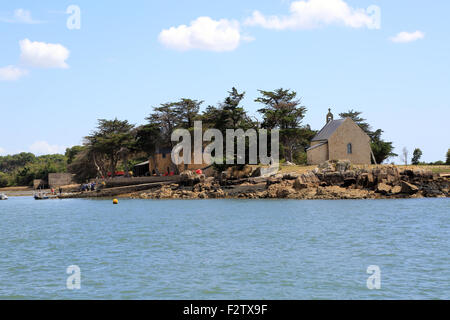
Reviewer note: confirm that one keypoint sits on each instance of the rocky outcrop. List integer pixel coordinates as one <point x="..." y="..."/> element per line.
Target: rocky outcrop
<point x="330" y="180"/>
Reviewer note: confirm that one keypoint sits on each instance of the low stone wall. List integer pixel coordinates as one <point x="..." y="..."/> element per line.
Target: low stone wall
<point x="121" y="181"/>
<point x="56" y="180"/>
<point x="111" y="192"/>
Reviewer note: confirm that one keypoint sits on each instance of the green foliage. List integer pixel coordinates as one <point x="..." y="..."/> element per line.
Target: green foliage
<point x="86" y="166"/>
<point x="448" y="157"/>
<point x="4" y="180"/>
<point x="380" y="148"/>
<point x="229" y="114"/>
<point x="283" y="111"/>
<point x="147" y="137"/>
<point x="72" y="152"/>
<point x="39" y="169"/>
<point x="112" y="140"/>
<point x="10" y="163"/>
<point x="417" y="154"/>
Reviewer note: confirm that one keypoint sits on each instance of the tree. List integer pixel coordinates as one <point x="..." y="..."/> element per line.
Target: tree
<point x="417" y="153"/>
<point x="4" y="181"/>
<point x="448" y="157"/>
<point x="72" y="152"/>
<point x="147" y="138"/>
<point x="282" y="111"/>
<point x="229" y="114"/>
<point x="405" y="156"/>
<point x="109" y="140"/>
<point x="186" y="112"/>
<point x="381" y="149"/>
<point x="87" y="165"/>
<point x="355" y="116"/>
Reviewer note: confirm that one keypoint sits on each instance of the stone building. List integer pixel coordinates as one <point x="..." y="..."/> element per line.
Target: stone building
<point x="161" y="163"/>
<point x="340" y="139"/>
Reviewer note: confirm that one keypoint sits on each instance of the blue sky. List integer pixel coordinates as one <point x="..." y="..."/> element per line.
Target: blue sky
<point x="55" y="82"/>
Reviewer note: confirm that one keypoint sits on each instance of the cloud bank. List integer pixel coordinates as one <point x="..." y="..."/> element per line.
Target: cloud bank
<point x="312" y="14"/>
<point x="21" y="16"/>
<point x="204" y="33"/>
<point x="405" y="37"/>
<point x="12" y="73"/>
<point x="43" y="55"/>
<point x="43" y="147"/>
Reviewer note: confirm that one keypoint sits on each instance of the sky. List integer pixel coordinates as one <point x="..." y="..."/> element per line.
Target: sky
<point x="63" y="65"/>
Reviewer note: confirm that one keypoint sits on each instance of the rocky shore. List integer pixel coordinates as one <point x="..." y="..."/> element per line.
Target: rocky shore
<point x="330" y="180"/>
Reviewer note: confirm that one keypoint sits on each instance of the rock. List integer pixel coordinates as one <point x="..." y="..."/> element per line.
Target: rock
<point x="245" y="172"/>
<point x="299" y="185"/>
<point x="383" y="188"/>
<point x="290" y="176"/>
<point x="343" y="165"/>
<point x="396" y="190"/>
<point x="288" y="163"/>
<point x="256" y="172"/>
<point x="327" y="166"/>
<point x="189" y="178"/>
<point x="408" y="188"/>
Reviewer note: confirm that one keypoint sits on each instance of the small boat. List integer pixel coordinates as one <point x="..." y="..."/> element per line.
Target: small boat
<point x="3" y="196"/>
<point x="40" y="196"/>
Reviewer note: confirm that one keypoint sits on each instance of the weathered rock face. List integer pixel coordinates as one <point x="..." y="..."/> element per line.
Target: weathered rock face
<point x="408" y="188"/>
<point x="383" y="188"/>
<point x="189" y="178"/>
<point x="345" y="183"/>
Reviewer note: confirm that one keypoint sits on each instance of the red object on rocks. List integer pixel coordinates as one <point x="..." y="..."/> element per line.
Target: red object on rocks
<point x="198" y="171"/>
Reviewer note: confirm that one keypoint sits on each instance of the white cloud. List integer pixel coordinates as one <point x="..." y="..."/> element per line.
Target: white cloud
<point x="43" y="147"/>
<point x="12" y="73"/>
<point x="21" y="16"/>
<point x="404" y="37"/>
<point x="43" y="55"/>
<point x="310" y="14"/>
<point x="204" y="33"/>
<point x="2" y="151"/>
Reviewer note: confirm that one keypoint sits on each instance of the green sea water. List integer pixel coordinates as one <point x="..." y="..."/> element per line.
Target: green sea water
<point x="224" y="249"/>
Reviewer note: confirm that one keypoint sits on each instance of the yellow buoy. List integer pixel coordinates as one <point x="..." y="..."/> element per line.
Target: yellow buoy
<point x="115" y="201"/>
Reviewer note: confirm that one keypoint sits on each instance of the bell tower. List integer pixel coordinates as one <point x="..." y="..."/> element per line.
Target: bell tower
<point x="329" y="115"/>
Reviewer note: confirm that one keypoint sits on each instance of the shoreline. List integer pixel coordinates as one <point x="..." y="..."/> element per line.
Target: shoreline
<point x="329" y="181"/>
<point x="333" y="181"/>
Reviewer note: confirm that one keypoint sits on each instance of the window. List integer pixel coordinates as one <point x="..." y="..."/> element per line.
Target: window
<point x="349" y="148"/>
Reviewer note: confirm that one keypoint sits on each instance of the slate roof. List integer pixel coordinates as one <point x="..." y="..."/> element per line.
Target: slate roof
<point x="328" y="130"/>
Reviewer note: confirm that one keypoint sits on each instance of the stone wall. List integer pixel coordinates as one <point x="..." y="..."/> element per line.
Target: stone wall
<point x="38" y="183"/>
<point x="318" y="154"/>
<point x="56" y="180"/>
<point x="349" y="132"/>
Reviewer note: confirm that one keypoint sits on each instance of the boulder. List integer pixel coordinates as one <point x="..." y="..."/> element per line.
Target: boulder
<point x="396" y="190"/>
<point x="343" y="165"/>
<point x="383" y="188"/>
<point x="408" y="188"/>
<point x="327" y="166"/>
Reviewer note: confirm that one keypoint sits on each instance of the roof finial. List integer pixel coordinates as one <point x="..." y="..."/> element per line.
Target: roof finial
<point x="329" y="115"/>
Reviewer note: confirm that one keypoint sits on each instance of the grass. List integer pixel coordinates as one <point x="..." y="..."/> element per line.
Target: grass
<point x="441" y="169"/>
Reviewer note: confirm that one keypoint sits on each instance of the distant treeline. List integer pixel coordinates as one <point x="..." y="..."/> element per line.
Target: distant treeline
<point x="21" y="169"/>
